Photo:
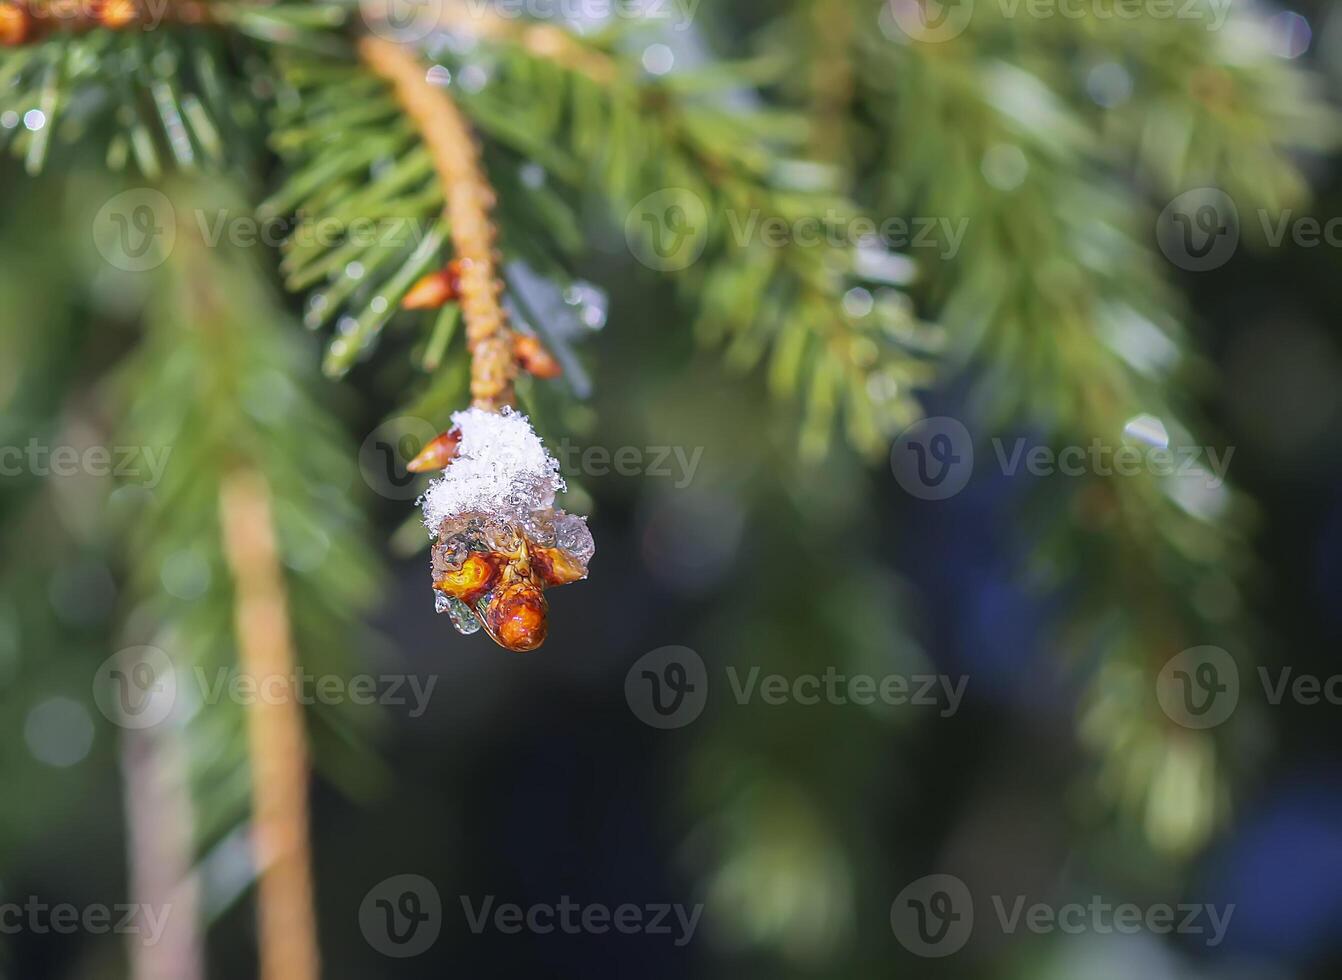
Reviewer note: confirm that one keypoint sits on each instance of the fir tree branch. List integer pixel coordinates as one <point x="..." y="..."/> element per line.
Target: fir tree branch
<point x="1059" y="300"/>
<point x="786" y="301"/>
<point x="155" y="100"/>
<point x="554" y="44"/>
<point x="217" y="349"/>
<point x="279" y="754"/>
<point x="24" y="21"/>
<point x="451" y="146"/>
<point x="1199" y="100"/>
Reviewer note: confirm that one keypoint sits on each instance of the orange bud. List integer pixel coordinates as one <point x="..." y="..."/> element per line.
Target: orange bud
<point x="438" y="453"/>
<point x="435" y="289"/>
<point x="15" y="26"/>
<point x="117" y="13"/>
<point x="556" y="567"/>
<point x="534" y="358"/>
<point x="516" y="618"/>
<point x="475" y="577"/>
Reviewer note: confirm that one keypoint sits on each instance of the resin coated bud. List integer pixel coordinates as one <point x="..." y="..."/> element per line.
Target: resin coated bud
<point x="493" y="572"/>
<point x="557" y="567"/>
<point x="516" y="617"/>
<point x="473" y="579"/>
<point x="499" y="541"/>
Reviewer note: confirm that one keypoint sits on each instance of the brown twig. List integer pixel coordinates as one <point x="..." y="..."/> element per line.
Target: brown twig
<point x="278" y="742"/>
<point x="451" y="145"/>
<point x="27" y="21"/>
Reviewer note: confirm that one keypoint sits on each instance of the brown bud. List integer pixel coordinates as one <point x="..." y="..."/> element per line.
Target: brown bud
<point x="15" y="25"/>
<point x="475" y="578"/>
<point x="437" y="453"/>
<point x="516" y="617"/>
<point x="556" y="567"/>
<point x="533" y="358"/>
<point x="435" y="289"/>
<point x="117" y="13"/>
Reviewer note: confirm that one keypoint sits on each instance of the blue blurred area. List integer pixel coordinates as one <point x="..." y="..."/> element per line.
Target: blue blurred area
<point x="1282" y="868"/>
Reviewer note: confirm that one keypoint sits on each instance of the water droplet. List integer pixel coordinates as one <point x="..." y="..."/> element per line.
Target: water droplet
<point x="438" y="75"/>
<point x="658" y="59"/>
<point x="462" y="617"/>
<point x="857" y="302"/>
<point x="882" y="388"/>
<point x="1005" y="166"/>
<point x="593" y="304"/>
<point x="572" y="535"/>
<point x="878" y="264"/>
<point x="59" y="732"/>
<point x="34" y="119"/>
<point x="1147" y="429"/>
<point x="474" y="78"/>
<point x="354" y="270"/>
<point x="1291" y="34"/>
<point x="9" y="119"/>
<point x="1109" y="84"/>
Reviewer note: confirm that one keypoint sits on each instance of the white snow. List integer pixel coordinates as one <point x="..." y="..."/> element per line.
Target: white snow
<point x="501" y="468"/>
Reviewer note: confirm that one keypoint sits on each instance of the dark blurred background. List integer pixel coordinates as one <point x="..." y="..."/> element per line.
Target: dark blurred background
<point x="796" y="827"/>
